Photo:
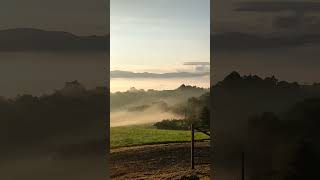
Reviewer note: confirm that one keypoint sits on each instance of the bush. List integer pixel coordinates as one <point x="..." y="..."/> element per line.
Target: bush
<point x="173" y="124"/>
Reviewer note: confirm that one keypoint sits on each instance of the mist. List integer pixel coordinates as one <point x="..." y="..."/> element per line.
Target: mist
<point x="42" y="73"/>
<point x="150" y="115"/>
<point x="144" y="107"/>
<point x="123" y="84"/>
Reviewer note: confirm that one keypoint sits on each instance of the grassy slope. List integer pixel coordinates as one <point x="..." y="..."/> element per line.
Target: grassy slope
<point x="147" y="134"/>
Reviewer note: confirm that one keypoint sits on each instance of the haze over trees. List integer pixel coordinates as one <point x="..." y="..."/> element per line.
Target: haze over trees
<point x="286" y="144"/>
<point x="140" y="97"/>
<point x="268" y="119"/>
<point x="72" y="115"/>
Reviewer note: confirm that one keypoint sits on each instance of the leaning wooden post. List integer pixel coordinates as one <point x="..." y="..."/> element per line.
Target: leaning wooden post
<point x="192" y="146"/>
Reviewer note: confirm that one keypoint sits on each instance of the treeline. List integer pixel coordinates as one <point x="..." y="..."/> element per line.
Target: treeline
<point x="195" y="110"/>
<point x="140" y="97"/>
<point x="235" y="80"/>
<point x="270" y="120"/>
<point x="275" y="122"/>
<point x="72" y="114"/>
<point x="238" y="97"/>
<point x="289" y="140"/>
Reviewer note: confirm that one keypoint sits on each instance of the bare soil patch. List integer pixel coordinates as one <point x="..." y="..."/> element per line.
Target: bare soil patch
<point x="162" y="161"/>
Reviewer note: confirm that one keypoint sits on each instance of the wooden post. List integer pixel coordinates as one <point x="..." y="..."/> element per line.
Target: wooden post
<point x="192" y="146"/>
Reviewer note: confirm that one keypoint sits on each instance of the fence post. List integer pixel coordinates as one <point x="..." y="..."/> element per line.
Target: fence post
<point x="192" y="146"/>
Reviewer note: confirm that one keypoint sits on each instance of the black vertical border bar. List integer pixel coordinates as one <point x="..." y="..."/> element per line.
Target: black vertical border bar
<point x="107" y="121"/>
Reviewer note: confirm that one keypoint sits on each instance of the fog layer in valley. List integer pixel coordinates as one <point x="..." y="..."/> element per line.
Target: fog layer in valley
<point x="135" y="106"/>
<point x="123" y="84"/>
<point x="151" y="115"/>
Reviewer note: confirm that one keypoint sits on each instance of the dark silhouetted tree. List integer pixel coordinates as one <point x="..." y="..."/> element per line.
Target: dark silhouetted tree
<point x="305" y="164"/>
<point x="205" y="117"/>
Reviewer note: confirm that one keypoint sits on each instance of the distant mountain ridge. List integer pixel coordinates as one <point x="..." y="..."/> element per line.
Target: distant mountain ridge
<point x="129" y="74"/>
<point x="140" y="97"/>
<point x="30" y="39"/>
<point x="242" y="41"/>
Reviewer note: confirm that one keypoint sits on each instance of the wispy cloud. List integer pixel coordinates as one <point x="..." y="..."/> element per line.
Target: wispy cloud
<point x="128" y="74"/>
<point x="185" y="67"/>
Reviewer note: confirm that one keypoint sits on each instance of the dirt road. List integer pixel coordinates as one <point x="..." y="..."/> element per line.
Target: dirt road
<point x="163" y="161"/>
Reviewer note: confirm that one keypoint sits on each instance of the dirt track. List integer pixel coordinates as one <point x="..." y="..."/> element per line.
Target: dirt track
<point x="164" y="161"/>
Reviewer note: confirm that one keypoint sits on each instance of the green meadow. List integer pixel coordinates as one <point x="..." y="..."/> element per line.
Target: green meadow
<point x="147" y="134"/>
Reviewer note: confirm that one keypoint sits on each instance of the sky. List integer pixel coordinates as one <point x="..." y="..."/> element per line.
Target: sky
<point x="224" y="16"/>
<point x="158" y="35"/>
<point x="35" y="72"/>
<point x="81" y="17"/>
<point x="251" y="47"/>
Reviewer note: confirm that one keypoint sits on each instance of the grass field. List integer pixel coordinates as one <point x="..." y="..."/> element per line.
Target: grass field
<point x="147" y="134"/>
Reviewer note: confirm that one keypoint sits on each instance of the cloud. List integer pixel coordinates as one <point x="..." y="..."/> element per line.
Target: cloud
<point x="128" y="74"/>
<point x="276" y="6"/>
<point x="199" y="66"/>
<point x="174" y="67"/>
<point x="297" y="20"/>
<point x="202" y="68"/>
<point x="197" y="63"/>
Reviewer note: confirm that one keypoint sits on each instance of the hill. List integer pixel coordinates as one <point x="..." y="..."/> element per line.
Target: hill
<point x="29" y="39"/>
<point x="135" y="97"/>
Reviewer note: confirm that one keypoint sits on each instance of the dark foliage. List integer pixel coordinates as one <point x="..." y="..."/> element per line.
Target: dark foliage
<point x="305" y="163"/>
<point x="135" y="97"/>
<point x="173" y="124"/>
<point x="296" y="133"/>
<point x="70" y="114"/>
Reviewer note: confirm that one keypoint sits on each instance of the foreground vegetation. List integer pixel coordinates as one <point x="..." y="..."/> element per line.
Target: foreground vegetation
<point x="147" y="134"/>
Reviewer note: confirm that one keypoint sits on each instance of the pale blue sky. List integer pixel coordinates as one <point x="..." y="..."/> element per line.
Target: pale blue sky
<point x="159" y="33"/>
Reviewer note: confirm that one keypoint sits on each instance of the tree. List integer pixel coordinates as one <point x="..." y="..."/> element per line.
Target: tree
<point x="305" y="164"/>
<point x="204" y="117"/>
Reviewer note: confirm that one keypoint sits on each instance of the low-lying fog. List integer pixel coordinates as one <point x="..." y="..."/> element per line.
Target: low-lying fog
<point x="123" y="84"/>
<point x="144" y="107"/>
<point x="150" y="115"/>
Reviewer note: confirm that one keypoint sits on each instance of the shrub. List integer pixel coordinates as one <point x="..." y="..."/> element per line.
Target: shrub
<point x="173" y="124"/>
